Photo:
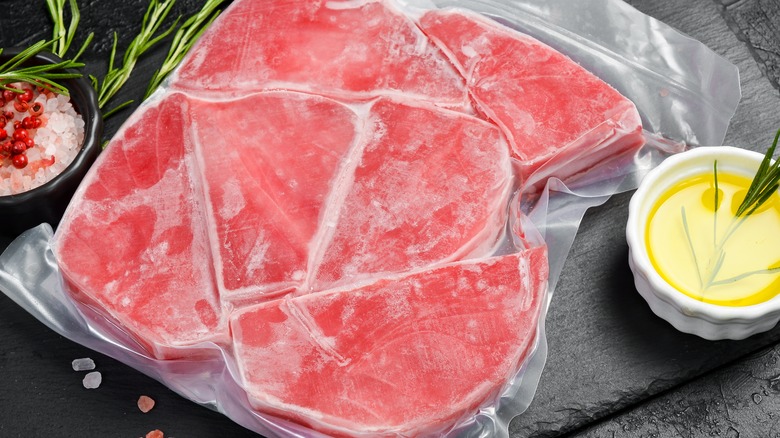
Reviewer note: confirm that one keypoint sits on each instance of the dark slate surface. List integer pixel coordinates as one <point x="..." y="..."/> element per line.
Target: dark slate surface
<point x="738" y="400"/>
<point x="757" y="23"/>
<point x="608" y="352"/>
<point x="40" y="394"/>
<point x="614" y="369"/>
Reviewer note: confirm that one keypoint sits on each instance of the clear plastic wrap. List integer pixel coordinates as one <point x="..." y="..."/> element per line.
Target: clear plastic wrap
<point x="685" y="95"/>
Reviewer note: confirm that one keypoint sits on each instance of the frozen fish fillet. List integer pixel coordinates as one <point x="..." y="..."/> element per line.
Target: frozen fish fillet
<point x="342" y="48"/>
<point x="402" y="356"/>
<point x="559" y="118"/>
<point x="322" y="189"/>
<point x="133" y="241"/>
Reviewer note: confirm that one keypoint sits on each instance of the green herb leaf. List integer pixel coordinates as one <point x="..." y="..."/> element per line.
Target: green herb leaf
<point x="18" y="69"/>
<point x="764" y="184"/>
<point x="45" y="75"/>
<point x="745" y="275"/>
<point x="183" y="39"/>
<point x="715" y="205"/>
<point x="690" y="245"/>
<point x="147" y="37"/>
<point x="62" y="34"/>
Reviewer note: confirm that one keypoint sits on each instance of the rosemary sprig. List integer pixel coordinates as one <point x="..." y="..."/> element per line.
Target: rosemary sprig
<point x="745" y="275"/>
<point x="715" y="206"/>
<point x="147" y="37"/>
<point x="183" y="39"/>
<point x="46" y="75"/>
<point x="62" y="34"/>
<point x="765" y="183"/>
<point x="690" y="245"/>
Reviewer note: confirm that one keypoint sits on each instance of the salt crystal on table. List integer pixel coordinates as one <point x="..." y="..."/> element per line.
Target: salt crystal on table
<point x="83" y="364"/>
<point x="145" y="404"/>
<point x="92" y="380"/>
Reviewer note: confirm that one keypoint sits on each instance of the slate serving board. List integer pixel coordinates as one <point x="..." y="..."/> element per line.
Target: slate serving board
<point x="614" y="368"/>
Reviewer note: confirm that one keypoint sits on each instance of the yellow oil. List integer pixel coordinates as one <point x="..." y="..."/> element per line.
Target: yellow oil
<point x="720" y="259"/>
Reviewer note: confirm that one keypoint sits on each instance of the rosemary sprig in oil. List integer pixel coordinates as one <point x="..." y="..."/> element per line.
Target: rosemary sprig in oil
<point x="764" y="184"/>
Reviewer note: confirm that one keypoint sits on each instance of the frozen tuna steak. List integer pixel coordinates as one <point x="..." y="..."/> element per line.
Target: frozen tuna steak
<point x="267" y="180"/>
<point x="349" y="49"/>
<point x="301" y="196"/>
<point x="559" y="118"/>
<point x="273" y="204"/>
<point x="403" y="356"/>
<point x="308" y="174"/>
<point x="430" y="185"/>
<point x="134" y="240"/>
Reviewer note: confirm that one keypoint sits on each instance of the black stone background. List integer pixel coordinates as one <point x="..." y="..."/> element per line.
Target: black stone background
<point x="614" y="369"/>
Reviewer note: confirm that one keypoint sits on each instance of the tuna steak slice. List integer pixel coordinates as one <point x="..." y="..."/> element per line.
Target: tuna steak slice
<point x="134" y="240"/>
<point x="269" y="162"/>
<point x="550" y="108"/>
<point x="431" y="185"/>
<point x="347" y="49"/>
<point x="402" y="356"/>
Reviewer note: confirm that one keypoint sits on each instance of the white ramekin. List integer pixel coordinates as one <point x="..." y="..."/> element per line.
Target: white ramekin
<point x="710" y="321"/>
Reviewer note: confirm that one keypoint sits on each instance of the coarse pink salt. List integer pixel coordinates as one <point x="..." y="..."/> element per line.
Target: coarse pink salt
<point x="57" y="141"/>
<point x="145" y="403"/>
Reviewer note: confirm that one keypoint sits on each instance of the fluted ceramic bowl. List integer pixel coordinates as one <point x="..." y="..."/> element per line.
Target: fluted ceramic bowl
<point x="689" y="315"/>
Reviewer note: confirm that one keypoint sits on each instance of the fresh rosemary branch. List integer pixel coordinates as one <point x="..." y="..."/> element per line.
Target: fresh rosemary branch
<point x="183" y="39"/>
<point x="62" y="34"/>
<point x="765" y="183"/>
<point x="146" y="38"/>
<point x="45" y="75"/>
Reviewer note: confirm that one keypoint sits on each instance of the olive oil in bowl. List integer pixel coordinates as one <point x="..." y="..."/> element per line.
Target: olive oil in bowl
<point x="706" y="251"/>
<point x="705" y="260"/>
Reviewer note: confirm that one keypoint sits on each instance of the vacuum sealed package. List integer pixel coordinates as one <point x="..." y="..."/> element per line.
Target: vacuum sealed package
<point x="348" y="217"/>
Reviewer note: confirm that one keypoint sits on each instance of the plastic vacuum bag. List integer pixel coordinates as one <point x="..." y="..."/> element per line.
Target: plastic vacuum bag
<point x="684" y="92"/>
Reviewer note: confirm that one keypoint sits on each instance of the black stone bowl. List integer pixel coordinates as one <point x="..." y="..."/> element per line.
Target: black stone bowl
<point x="47" y="203"/>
